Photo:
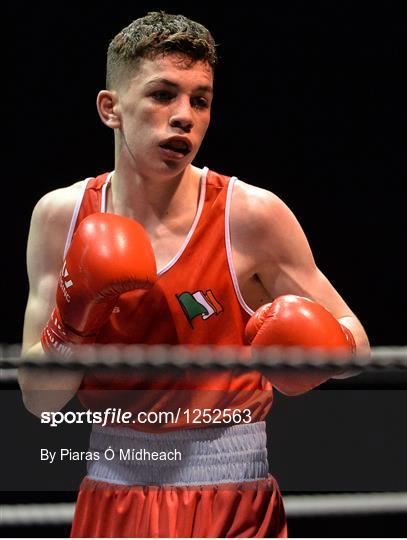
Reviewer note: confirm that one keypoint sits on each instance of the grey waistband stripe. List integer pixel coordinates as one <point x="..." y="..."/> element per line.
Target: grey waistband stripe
<point x="181" y="457"/>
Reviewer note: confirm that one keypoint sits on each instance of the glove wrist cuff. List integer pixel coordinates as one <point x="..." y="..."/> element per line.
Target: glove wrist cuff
<point x="57" y="339"/>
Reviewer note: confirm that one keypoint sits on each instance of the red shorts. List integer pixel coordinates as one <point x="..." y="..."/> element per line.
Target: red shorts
<point x="247" y="509"/>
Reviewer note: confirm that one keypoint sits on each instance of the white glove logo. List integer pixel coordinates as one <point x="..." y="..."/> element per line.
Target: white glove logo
<point x="68" y="283"/>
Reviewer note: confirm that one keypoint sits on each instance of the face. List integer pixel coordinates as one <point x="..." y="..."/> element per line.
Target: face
<point x="164" y="114"/>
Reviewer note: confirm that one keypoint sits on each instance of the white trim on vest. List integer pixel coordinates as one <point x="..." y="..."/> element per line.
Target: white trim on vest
<point x="202" y="192"/>
<point x="104" y="188"/>
<point x="78" y="205"/>
<point x="75" y="215"/>
<point x="229" y="247"/>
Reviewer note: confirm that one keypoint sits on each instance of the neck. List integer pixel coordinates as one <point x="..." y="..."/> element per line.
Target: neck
<point x="154" y="200"/>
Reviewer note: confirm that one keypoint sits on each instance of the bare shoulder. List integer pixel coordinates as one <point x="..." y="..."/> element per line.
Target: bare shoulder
<point x="257" y="213"/>
<point x="256" y="203"/>
<point x="49" y="227"/>
<point x="56" y="206"/>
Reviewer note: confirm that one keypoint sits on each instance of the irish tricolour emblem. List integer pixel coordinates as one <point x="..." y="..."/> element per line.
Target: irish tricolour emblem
<point x="199" y="303"/>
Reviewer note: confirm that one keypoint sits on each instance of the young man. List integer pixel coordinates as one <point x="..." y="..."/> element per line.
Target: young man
<point x="222" y="249"/>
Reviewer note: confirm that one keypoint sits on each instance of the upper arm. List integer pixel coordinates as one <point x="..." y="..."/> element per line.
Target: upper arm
<point x="45" y="249"/>
<point x="281" y="255"/>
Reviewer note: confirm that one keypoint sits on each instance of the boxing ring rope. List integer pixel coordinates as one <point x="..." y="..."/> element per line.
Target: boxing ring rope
<point x="113" y="356"/>
<point x="386" y="365"/>
<point x="326" y="505"/>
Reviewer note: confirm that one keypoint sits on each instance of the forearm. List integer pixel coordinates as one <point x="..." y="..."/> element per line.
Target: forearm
<point x="46" y="389"/>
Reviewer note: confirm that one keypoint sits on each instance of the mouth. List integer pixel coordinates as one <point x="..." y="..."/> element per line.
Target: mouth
<point x="176" y="147"/>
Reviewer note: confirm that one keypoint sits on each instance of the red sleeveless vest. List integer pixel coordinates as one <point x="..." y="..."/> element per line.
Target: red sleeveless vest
<point x="195" y="301"/>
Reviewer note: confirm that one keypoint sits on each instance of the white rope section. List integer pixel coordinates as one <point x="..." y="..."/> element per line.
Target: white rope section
<point x="345" y="504"/>
<point x="15" y="515"/>
<point x="8" y="375"/>
<point x="295" y="505"/>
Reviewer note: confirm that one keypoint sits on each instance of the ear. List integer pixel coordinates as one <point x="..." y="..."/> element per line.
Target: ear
<point x="108" y="108"/>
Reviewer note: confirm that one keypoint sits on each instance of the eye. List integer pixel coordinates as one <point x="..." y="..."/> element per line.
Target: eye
<point x="200" y="103"/>
<point x="162" y="96"/>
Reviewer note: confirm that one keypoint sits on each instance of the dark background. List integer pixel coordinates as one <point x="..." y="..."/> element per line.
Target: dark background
<point x="308" y="104"/>
<point x="309" y="100"/>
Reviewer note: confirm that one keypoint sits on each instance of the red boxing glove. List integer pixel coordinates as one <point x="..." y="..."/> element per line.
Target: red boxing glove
<point x="297" y="321"/>
<point x="108" y="256"/>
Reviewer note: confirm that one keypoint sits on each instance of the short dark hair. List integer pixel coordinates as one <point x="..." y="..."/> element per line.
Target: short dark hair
<point x="158" y="33"/>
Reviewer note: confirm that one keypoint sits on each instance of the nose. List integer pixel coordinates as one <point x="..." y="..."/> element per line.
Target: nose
<point x="181" y="115"/>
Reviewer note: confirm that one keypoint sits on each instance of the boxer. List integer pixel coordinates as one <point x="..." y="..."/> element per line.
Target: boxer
<point x="223" y="249"/>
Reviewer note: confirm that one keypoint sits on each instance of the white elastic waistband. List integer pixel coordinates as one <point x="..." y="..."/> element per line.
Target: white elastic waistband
<point x="182" y="457"/>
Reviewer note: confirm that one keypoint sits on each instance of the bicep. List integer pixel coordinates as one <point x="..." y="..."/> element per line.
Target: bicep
<point x="44" y="261"/>
<point x="288" y="265"/>
<point x="308" y="281"/>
